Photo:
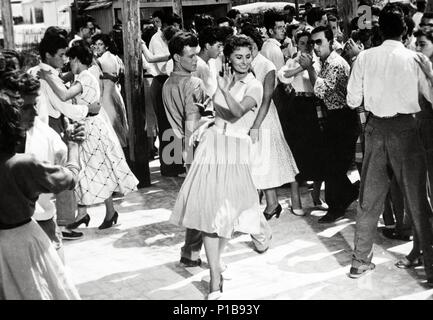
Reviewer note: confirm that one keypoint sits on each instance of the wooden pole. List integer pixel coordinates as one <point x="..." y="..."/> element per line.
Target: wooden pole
<point x="297" y="9"/>
<point x="8" y="24"/>
<point x="134" y="88"/>
<point x="177" y="9"/>
<point x="347" y="11"/>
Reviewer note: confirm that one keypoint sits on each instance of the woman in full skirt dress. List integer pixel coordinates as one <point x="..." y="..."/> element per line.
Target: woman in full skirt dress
<point x="274" y="164"/>
<point x="218" y="195"/>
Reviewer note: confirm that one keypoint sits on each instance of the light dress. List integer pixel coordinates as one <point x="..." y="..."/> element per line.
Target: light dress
<point x="103" y="166"/>
<point x="274" y="164"/>
<point x="218" y="195"/>
<point x="112" y="101"/>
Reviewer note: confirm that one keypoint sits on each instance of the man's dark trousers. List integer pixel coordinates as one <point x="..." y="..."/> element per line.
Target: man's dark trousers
<point x="393" y="144"/>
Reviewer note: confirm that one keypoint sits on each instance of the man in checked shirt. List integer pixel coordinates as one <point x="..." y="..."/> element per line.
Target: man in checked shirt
<point x="341" y="128"/>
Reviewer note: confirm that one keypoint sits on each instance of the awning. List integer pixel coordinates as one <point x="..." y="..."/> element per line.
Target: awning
<point x="99" y="5"/>
<point x="258" y="7"/>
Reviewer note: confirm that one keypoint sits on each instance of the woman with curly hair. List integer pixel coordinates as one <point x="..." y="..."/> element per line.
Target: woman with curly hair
<point x="219" y="195"/>
<point x="30" y="267"/>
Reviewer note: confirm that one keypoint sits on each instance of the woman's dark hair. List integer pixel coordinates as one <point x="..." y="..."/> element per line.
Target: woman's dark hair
<point x="180" y="41"/>
<point x="391" y="21"/>
<point x="420" y="33"/>
<point x="107" y="40"/>
<point x="14" y="84"/>
<point x="80" y="50"/>
<point x="254" y="34"/>
<point x="235" y="42"/>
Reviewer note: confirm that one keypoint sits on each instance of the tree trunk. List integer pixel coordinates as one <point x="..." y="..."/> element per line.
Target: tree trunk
<point x="134" y="88"/>
<point x="347" y="11"/>
<point x="8" y="24"/>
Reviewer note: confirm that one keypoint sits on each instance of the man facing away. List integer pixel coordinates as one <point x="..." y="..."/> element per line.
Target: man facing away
<point x="388" y="80"/>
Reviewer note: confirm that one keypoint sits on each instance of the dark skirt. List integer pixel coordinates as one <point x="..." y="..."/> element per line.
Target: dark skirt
<point x="302" y="130"/>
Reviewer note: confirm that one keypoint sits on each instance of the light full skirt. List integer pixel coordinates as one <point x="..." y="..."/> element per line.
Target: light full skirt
<point x="30" y="268"/>
<point x="218" y="195"/>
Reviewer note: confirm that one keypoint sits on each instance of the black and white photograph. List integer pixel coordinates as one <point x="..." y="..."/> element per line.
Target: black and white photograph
<point x="238" y="151"/>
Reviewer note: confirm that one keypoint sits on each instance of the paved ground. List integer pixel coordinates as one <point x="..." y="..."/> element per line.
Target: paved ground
<point x="138" y="258"/>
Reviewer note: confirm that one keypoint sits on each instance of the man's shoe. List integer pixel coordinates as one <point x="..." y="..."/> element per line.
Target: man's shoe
<point x="392" y="234"/>
<point x="354" y="196"/>
<point x="332" y="216"/>
<point x="405" y="263"/>
<point x="71" y="235"/>
<point x="190" y="263"/>
<point x="356" y="273"/>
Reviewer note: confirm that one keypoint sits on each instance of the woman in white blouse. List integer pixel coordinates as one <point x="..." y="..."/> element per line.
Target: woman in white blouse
<point x="218" y="195"/>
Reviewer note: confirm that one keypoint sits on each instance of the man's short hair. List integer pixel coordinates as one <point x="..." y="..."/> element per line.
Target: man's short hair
<point x="225" y="19"/>
<point x="52" y="44"/>
<point x="180" y="40"/>
<point x="270" y="17"/>
<point x="391" y="21"/>
<point x="208" y="35"/>
<point x="224" y="33"/>
<point x="81" y="22"/>
<point x="315" y="15"/>
<point x="329" y="35"/>
<point x="55" y="31"/>
<point x="289" y="9"/>
<point x="202" y="21"/>
<point x="254" y="34"/>
<point x="232" y="13"/>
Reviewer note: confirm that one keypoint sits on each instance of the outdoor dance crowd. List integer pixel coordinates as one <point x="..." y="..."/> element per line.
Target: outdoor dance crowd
<point x="243" y="109"/>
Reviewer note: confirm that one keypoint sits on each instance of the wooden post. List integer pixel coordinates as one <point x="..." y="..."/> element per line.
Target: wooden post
<point x="347" y="11"/>
<point x="177" y="9"/>
<point x="297" y="9"/>
<point x="7" y="24"/>
<point x="134" y="88"/>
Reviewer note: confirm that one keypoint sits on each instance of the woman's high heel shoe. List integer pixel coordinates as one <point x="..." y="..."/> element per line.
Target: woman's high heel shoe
<point x="297" y="212"/>
<point x="109" y="223"/>
<point x="276" y="213"/>
<point x="76" y="224"/>
<point x="216" y="295"/>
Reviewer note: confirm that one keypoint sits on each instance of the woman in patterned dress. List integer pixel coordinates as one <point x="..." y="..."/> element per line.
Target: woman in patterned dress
<point x="104" y="168"/>
<point x="218" y="195"/>
<point x="274" y="164"/>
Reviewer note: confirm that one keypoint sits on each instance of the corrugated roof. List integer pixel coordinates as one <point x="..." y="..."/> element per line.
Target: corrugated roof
<point x="99" y="5"/>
